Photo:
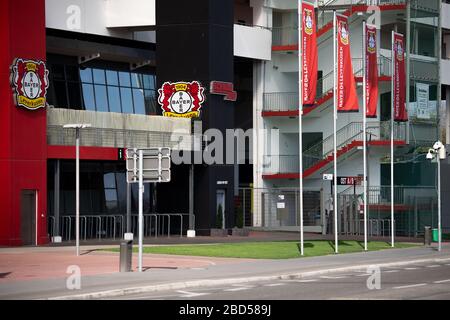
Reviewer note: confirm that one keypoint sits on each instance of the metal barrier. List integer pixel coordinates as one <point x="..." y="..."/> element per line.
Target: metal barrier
<point x="114" y="226"/>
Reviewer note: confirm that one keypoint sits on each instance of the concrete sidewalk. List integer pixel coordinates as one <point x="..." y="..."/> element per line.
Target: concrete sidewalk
<point x="186" y="272"/>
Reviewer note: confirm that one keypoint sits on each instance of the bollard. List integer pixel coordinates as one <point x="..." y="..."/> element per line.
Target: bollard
<point x="427" y="236"/>
<point x="126" y="250"/>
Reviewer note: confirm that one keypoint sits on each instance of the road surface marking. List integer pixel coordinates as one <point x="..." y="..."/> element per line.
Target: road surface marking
<point x="333" y="277"/>
<point x="302" y="281"/>
<point x="411" y="268"/>
<point x="197" y="268"/>
<point x="238" y="289"/>
<point x="392" y="271"/>
<point x="274" y="284"/>
<point x="442" y="281"/>
<point x="411" y="286"/>
<point x="363" y="275"/>
<point x="433" y="266"/>
<point x="188" y="294"/>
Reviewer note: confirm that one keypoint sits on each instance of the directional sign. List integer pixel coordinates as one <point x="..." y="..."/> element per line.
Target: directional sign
<point x="156" y="165"/>
<point x="349" y="181"/>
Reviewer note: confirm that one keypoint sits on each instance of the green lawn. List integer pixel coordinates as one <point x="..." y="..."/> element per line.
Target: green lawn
<point x="269" y="250"/>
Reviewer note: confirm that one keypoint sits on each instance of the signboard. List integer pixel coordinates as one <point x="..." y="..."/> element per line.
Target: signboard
<point x="181" y="99"/>
<point x="29" y="79"/>
<point x="423" y="98"/>
<point x="349" y="181"/>
<point x="156" y="165"/>
<point x="327" y="176"/>
<point x="223" y="88"/>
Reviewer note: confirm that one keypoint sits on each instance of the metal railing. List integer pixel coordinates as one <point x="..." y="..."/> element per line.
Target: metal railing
<point x="104" y="137"/>
<point x="284" y="36"/>
<point x="321" y="150"/>
<point x="101" y="227"/>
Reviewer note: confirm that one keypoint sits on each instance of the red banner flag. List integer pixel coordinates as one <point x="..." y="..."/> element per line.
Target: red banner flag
<point x="371" y="72"/>
<point x="399" y="79"/>
<point x="347" y="99"/>
<point x="309" y="53"/>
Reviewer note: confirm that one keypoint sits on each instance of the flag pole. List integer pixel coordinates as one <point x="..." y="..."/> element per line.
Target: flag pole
<point x="364" y="59"/>
<point x="335" y="207"/>
<point x="300" y="115"/>
<point x="392" y="137"/>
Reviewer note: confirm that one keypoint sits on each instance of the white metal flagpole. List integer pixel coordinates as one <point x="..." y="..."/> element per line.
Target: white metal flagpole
<point x="335" y="204"/>
<point x="364" y="59"/>
<point x="300" y="115"/>
<point x="392" y="138"/>
<point x="141" y="208"/>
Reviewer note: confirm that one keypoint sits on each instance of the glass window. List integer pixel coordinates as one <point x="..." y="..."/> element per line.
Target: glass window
<point x="99" y="76"/>
<point x="139" y="104"/>
<point x="124" y="79"/>
<point x="88" y="97"/>
<point x="150" y="102"/>
<point x="74" y="95"/>
<point x="109" y="179"/>
<point x="58" y="72"/>
<point x="86" y="75"/>
<point x="149" y="81"/>
<point x="111" y="78"/>
<point x="136" y="80"/>
<point x="127" y="100"/>
<point x="114" y="99"/>
<point x="60" y="93"/>
<point x="101" y="99"/>
<point x="72" y="73"/>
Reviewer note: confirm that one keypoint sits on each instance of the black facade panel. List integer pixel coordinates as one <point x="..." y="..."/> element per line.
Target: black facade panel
<point x="196" y="43"/>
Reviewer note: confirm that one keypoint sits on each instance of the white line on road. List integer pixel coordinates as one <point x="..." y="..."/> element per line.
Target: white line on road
<point x="302" y="281"/>
<point x="392" y="271"/>
<point x="238" y="289"/>
<point x="442" y="281"/>
<point x="188" y="294"/>
<point x="333" y="277"/>
<point x="363" y="275"/>
<point x="411" y="286"/>
<point x="411" y="268"/>
<point x="434" y="266"/>
<point x="274" y="284"/>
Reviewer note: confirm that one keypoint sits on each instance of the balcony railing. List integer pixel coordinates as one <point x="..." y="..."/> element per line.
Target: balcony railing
<point x="376" y="131"/>
<point x="288" y="101"/>
<point x="103" y="137"/>
<point x="284" y="36"/>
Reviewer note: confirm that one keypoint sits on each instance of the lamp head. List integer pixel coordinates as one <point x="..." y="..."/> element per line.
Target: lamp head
<point x="429" y="155"/>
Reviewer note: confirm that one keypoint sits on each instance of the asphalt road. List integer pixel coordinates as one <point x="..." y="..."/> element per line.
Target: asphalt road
<point x="421" y="281"/>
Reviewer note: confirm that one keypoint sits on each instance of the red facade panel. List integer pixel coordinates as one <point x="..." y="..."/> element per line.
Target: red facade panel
<point x="23" y="154"/>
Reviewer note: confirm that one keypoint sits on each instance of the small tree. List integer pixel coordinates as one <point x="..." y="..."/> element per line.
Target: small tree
<point x="219" y="217"/>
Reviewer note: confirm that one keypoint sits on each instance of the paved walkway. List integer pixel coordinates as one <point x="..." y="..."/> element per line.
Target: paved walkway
<point x="46" y="263"/>
<point x="52" y="261"/>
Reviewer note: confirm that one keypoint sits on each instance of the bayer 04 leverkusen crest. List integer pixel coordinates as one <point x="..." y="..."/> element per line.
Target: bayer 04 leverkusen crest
<point x="29" y="79"/>
<point x="181" y="99"/>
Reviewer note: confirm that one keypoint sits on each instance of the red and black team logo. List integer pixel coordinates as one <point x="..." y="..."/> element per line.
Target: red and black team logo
<point x="29" y="79"/>
<point x="399" y="49"/>
<point x="371" y="42"/>
<point x="181" y="99"/>
<point x="343" y="28"/>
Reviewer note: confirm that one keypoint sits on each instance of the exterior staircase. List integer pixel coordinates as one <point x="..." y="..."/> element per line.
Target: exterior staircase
<point x="317" y="157"/>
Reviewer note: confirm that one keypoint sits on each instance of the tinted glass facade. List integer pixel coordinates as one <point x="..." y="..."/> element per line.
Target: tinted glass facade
<point x="105" y="87"/>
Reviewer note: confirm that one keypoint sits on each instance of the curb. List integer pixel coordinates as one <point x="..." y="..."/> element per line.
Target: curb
<point x="212" y="282"/>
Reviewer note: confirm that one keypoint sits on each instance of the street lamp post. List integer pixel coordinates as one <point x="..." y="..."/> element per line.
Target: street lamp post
<point x="77" y="127"/>
<point x="438" y="151"/>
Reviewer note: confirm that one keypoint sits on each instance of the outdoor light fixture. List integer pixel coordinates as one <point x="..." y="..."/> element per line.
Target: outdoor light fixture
<point x="77" y="127"/>
<point x="439" y="153"/>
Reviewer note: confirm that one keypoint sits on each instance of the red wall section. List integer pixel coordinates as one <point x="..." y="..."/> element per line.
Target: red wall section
<point x="86" y="153"/>
<point x="23" y="152"/>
